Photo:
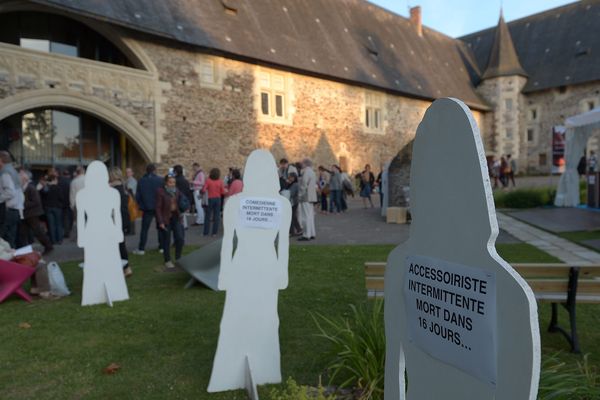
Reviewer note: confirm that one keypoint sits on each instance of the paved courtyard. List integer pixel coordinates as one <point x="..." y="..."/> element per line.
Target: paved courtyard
<point x="356" y="226"/>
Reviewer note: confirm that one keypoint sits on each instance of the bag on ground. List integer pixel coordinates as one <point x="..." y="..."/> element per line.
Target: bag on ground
<point x="58" y="286"/>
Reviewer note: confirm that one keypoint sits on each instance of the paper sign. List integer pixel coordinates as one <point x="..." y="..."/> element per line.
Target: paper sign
<point x="260" y="212"/>
<point x="23" y="250"/>
<point x="451" y="314"/>
<point x="591" y="179"/>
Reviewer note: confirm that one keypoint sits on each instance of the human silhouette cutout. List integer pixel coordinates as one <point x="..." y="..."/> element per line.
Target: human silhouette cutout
<point x="99" y="233"/>
<point x="454" y="220"/>
<point x="252" y="272"/>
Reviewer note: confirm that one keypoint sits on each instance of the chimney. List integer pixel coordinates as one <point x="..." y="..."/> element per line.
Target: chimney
<point x="415" y="19"/>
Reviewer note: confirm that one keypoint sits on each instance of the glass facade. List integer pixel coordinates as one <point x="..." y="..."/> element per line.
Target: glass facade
<point x="39" y="139"/>
<point x="57" y="34"/>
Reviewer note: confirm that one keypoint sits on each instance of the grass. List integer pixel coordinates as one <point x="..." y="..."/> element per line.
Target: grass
<point x="164" y="338"/>
<point x="580" y="237"/>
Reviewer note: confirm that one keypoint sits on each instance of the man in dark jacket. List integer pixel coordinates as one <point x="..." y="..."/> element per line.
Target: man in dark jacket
<point x="33" y="210"/>
<point x="146" y="199"/>
<point x="64" y="183"/>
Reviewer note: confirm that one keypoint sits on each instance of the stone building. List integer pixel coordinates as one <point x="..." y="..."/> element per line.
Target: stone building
<point x="343" y="81"/>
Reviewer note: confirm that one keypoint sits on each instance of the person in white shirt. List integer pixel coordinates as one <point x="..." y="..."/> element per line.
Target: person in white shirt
<point x="11" y="194"/>
<point x="307" y="197"/>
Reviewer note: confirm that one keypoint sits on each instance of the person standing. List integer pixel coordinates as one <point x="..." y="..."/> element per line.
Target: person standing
<point x="115" y="180"/>
<point x="184" y="188"/>
<point x="131" y="189"/>
<point x="503" y="172"/>
<point x="198" y="181"/>
<point x="131" y="183"/>
<point x="52" y="200"/>
<point x="324" y="189"/>
<point x="64" y="184"/>
<point x="592" y="162"/>
<point x="215" y="188"/>
<point x="335" y="187"/>
<point x="12" y="196"/>
<point x="512" y="167"/>
<point x="285" y="168"/>
<point x="307" y="197"/>
<point x="294" y="187"/>
<point x="146" y="199"/>
<point x="32" y="211"/>
<point x="236" y="185"/>
<point x="367" y="179"/>
<point x="168" y="217"/>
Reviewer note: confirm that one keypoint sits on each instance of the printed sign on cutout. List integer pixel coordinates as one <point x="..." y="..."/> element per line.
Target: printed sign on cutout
<point x="451" y="314"/>
<point x="260" y="212"/>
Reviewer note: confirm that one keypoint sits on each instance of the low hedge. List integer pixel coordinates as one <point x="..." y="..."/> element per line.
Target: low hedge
<point x="525" y="198"/>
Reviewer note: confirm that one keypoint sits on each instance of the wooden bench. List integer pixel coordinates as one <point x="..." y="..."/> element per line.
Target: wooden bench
<point x="551" y="283"/>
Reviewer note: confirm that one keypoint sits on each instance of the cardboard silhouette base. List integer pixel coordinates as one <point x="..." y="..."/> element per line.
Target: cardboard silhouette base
<point x="203" y="265"/>
<point x="459" y="320"/>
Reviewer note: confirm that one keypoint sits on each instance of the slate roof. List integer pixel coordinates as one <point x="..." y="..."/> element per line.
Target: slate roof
<point x="347" y="40"/>
<point x="557" y="47"/>
<point x="503" y="59"/>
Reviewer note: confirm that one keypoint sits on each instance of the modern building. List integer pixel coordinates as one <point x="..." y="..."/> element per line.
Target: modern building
<point x="341" y="81"/>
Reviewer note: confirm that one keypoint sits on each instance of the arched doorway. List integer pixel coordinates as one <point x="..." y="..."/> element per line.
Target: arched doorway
<point x="63" y="137"/>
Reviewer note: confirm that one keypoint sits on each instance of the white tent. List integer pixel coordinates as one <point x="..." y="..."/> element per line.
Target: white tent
<point x="579" y="129"/>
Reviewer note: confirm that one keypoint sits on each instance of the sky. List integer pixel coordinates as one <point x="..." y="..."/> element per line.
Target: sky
<point x="460" y="17"/>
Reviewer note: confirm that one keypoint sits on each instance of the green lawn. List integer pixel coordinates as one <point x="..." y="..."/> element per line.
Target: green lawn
<point x="579" y="236"/>
<point x="164" y="338"/>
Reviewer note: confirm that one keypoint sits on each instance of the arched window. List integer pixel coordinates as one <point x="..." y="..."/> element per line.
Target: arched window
<point x="57" y="34"/>
<point x="47" y="137"/>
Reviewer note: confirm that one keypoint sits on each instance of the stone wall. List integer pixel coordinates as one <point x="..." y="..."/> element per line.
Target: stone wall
<point x="219" y="125"/>
<point x="506" y="135"/>
<point x="552" y="107"/>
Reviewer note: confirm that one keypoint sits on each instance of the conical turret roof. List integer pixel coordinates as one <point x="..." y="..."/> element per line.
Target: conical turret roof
<point x="503" y="59"/>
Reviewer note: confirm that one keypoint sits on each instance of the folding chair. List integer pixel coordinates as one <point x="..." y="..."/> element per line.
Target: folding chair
<point x="12" y="277"/>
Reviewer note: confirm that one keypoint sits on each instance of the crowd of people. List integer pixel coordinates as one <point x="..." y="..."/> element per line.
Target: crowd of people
<point x="46" y="209"/>
<point x="502" y="171"/>
<point x="327" y="190"/>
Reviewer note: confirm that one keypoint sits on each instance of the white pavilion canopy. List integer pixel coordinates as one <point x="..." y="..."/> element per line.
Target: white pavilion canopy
<point x="579" y="129"/>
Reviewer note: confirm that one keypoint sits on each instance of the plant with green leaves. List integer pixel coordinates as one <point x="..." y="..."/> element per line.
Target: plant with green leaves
<point x="358" y="349"/>
<point x="292" y="391"/>
<point x="559" y="382"/>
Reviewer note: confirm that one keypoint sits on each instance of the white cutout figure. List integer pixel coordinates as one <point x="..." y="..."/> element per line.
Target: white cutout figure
<point x="99" y="232"/>
<point x="454" y="224"/>
<point x="252" y="273"/>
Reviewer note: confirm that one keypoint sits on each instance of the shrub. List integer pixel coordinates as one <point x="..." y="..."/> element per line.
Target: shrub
<point x="358" y="349"/>
<point x="525" y="198"/>
<point x="293" y="391"/>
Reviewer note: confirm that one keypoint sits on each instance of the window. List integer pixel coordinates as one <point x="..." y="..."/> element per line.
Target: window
<point x="588" y="104"/>
<point x="509" y="133"/>
<point x="530" y="135"/>
<point x="509" y="104"/>
<point x="208" y="69"/>
<point x="272" y="95"/>
<point x="60" y="137"/>
<point x="52" y="33"/>
<point x="542" y="159"/>
<point x="533" y="114"/>
<point x="374" y="111"/>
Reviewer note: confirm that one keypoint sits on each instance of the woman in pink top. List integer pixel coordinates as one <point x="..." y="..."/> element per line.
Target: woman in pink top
<point x="236" y="185"/>
<point x="215" y="189"/>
